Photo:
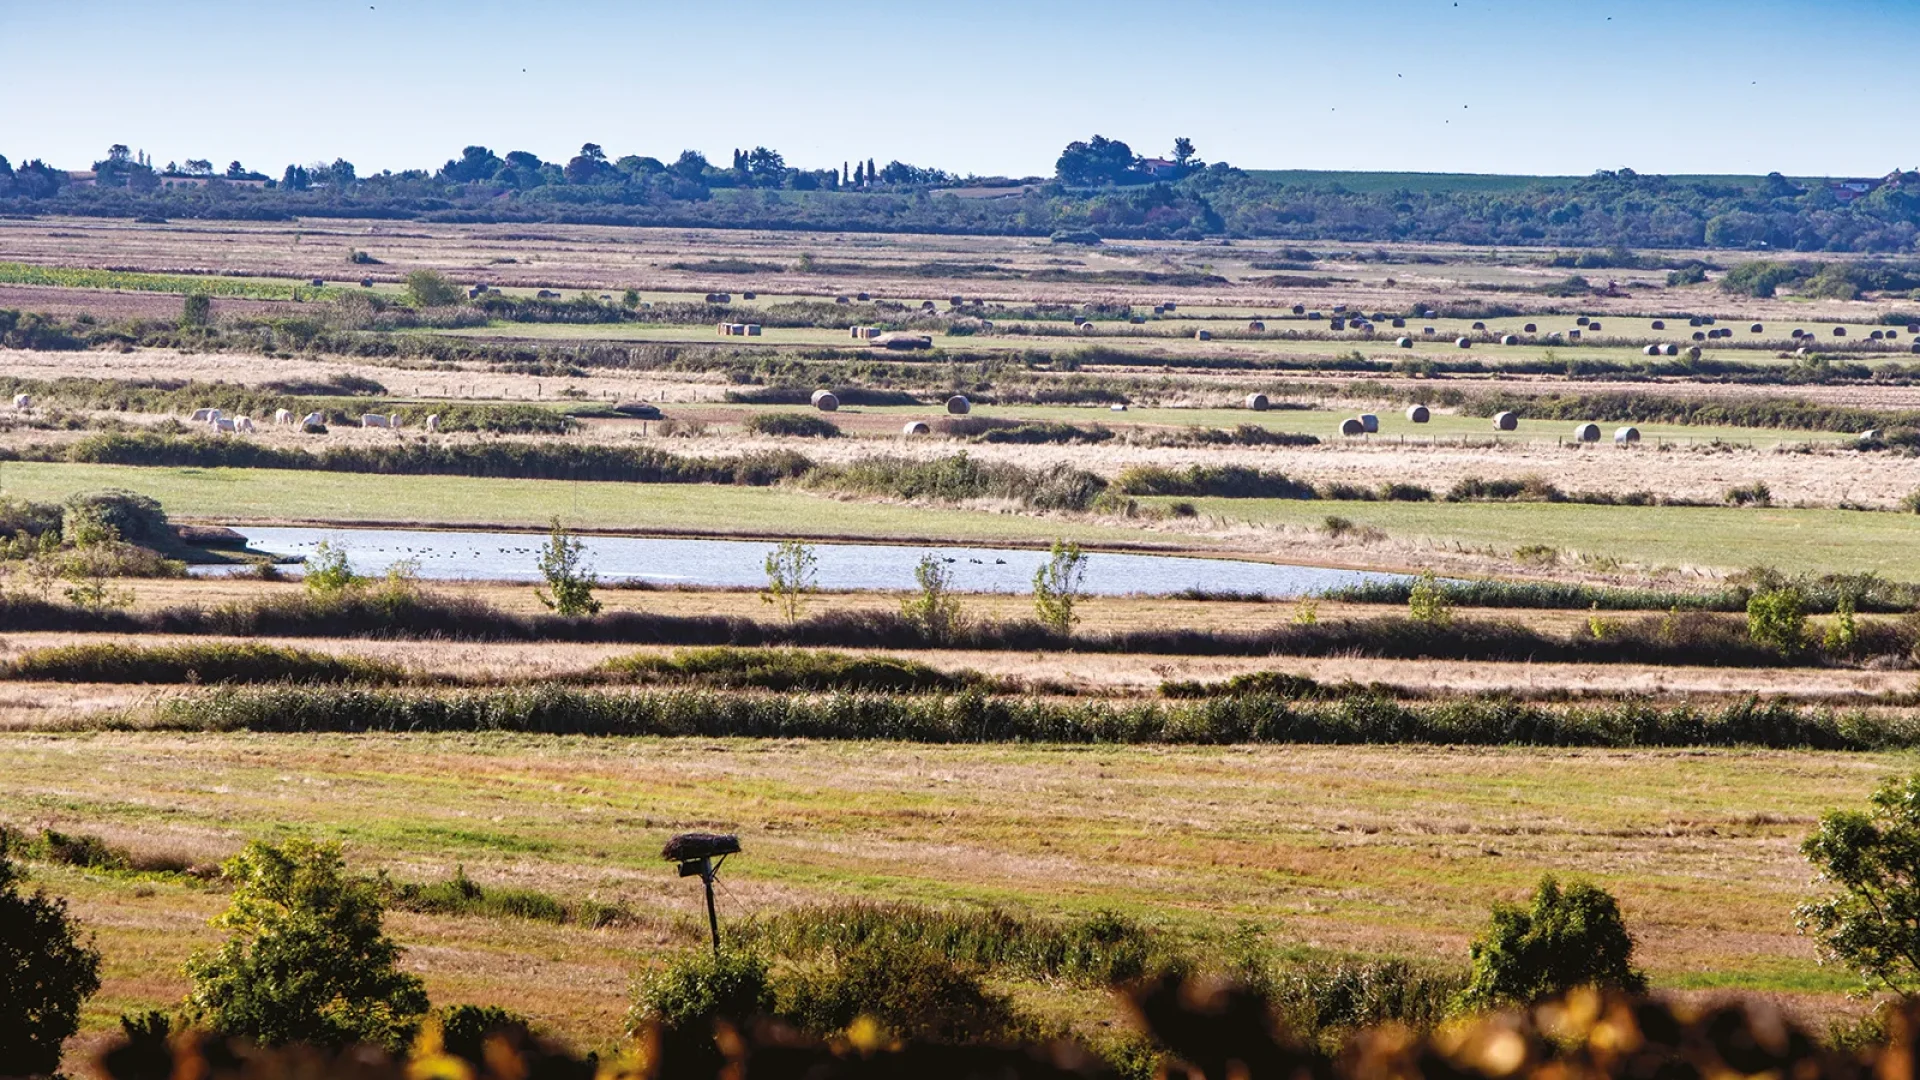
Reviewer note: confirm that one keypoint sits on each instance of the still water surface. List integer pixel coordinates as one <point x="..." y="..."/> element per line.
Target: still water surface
<point x="497" y="556"/>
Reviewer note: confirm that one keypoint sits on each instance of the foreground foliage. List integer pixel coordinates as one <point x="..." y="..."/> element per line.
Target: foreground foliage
<point x="47" y="972"/>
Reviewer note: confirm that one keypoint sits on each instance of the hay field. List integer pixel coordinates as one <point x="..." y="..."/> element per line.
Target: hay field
<point x="1374" y="850"/>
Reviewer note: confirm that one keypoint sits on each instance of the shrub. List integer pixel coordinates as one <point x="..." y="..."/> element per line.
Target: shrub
<point x="306" y="959"/>
<point x="1224" y="481"/>
<point x="1326" y="1001"/>
<point x="683" y="998"/>
<point x="1428" y="602"/>
<point x="935" y="608"/>
<point x="570" y="580"/>
<point x="785" y="669"/>
<point x="1754" y="494"/>
<point x="196" y="311"/>
<point x="793" y="425"/>
<point x="1776" y="619"/>
<point x="199" y="662"/>
<point x="429" y="288"/>
<point x="328" y="573"/>
<point x="464" y="1029"/>
<point x="1910" y="502"/>
<point x="910" y="989"/>
<point x="1056" y="586"/>
<point x="1871" y="858"/>
<point x="46" y="970"/>
<point x="134" y="518"/>
<point x="1567" y="938"/>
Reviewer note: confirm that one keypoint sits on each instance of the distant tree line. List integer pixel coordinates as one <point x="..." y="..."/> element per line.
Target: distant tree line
<point x="1100" y="187"/>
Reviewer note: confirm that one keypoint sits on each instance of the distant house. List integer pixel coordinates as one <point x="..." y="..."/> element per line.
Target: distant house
<point x="184" y="180"/>
<point x="82" y="178"/>
<point x="1159" y="168"/>
<point x="1849" y="190"/>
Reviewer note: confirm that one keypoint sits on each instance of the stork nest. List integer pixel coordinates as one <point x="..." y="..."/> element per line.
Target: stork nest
<point x="700" y="845"/>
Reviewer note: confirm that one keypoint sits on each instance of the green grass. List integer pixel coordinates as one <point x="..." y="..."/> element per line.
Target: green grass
<point x="13" y="273"/>
<point x="1823" y="541"/>
<point x="238" y="495"/>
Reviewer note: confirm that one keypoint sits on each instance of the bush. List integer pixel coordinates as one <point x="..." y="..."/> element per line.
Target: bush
<point x="1429" y="603"/>
<point x="1326" y="1001"/>
<point x="328" y="573"/>
<point x="570" y="580"/>
<point x="793" y="425"/>
<point x="935" y="608"/>
<point x="785" y="669"/>
<point x="428" y="288"/>
<point x="199" y="662"/>
<point x="1056" y="586"/>
<point x="1567" y="938"/>
<point x="134" y="518"/>
<point x="46" y="970"/>
<point x="910" y="989"/>
<point x="1776" y="619"/>
<point x="682" y="999"/>
<point x="1223" y="481"/>
<point x="196" y="311"/>
<point x="1754" y="494"/>
<point x="464" y="1029"/>
<point x="307" y="959"/>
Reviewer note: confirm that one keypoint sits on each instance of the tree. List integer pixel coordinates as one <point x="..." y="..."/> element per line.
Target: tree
<point x="766" y="167"/>
<point x="474" y="165"/>
<point x="46" y="974"/>
<point x="1183" y="152"/>
<point x="563" y="562"/>
<point x="199" y="167"/>
<point x="1564" y="939"/>
<point x="429" y="288"/>
<point x="307" y="959"/>
<point x="328" y="571"/>
<point x="587" y="166"/>
<point x="294" y="179"/>
<point x="1100" y="160"/>
<point x="934" y="609"/>
<point x="1871" y="857"/>
<point x="690" y="165"/>
<point x="1057" y="584"/>
<point x="791" y="569"/>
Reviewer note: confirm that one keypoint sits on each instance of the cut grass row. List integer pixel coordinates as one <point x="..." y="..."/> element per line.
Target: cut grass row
<point x="1820" y="541"/>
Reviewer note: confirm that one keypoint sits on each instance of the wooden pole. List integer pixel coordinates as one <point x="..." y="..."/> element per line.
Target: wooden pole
<point x="713" y="917"/>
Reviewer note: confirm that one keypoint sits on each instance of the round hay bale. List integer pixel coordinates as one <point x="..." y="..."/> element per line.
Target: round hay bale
<point x="1707" y="320"/>
<point x="1797" y="334"/>
<point x="1086" y="328"/>
<point x="1699" y="335"/>
<point x="864" y="297"/>
<point x="1339" y="309"/>
<point x="1203" y="335"/>
<point x="749" y="295"/>
<point x="1509" y="339"/>
<point x="1870" y="435"/>
<point x="1479" y="326"/>
<point x="1876" y="336"/>
<point x="1506" y="421"/>
<point x="1916" y="348"/>
<point x="1428" y="330"/>
<point x="1695" y="321"/>
<point x="1351" y="427"/>
<point x="1530" y="328"/>
<point x="1405" y="342"/>
<point x="916" y="427"/>
<point x="1651" y="350"/>
<point x="1337" y="324"/>
<point x="1370" y="422"/>
<point x="1693" y="352"/>
<point x="1573" y="335"/>
<point x="1757" y="328"/>
<point x="826" y="400"/>
<point x="1594" y="326"/>
<point x="1418" y="414"/>
<point x="1299" y="309"/>
<point x="1465" y="343"/>
<point x="1893" y="335"/>
<point x="1839" y="331"/>
<point x="1257" y="326"/>
<point x="1119" y="406"/>
<point x="1079" y="320"/>
<point x="1399" y="324"/>
<point x="1913" y="328"/>
<point x="1258" y="402"/>
<point x="1582" y="321"/>
<point x="1587" y="432"/>
<point x="1659" y="324"/>
<point x="1314" y="316"/>
<point x="1669" y="349"/>
<point x="958" y="405"/>
<point x="1625" y="436"/>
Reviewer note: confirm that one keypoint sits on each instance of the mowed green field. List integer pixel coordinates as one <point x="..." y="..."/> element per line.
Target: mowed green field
<point x="1367" y="850"/>
<point x="1837" y="541"/>
<point x="1824" y="541"/>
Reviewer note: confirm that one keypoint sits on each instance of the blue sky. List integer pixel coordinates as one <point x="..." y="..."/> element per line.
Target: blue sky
<point x="986" y="86"/>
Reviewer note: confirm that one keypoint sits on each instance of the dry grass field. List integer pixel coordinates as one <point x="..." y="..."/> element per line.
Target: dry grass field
<point x="1373" y="851"/>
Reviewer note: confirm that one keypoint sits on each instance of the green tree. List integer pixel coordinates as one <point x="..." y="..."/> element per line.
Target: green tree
<point x="1057" y="585"/>
<point x="1564" y="939"/>
<point x="307" y="959"/>
<point x="1871" y="920"/>
<point x="563" y="562"/>
<point x="196" y="311"/>
<point x="1777" y="618"/>
<point x="430" y="288"/>
<point x="1429" y="603"/>
<point x="791" y="571"/>
<point x="682" y="999"/>
<point x="1183" y="151"/>
<point x="46" y="973"/>
<point x="934" y="609"/>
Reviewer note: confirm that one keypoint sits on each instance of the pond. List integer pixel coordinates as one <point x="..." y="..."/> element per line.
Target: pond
<point x="505" y="556"/>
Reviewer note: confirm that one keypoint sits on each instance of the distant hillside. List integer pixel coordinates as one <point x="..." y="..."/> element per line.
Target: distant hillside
<point x="1427" y="183"/>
